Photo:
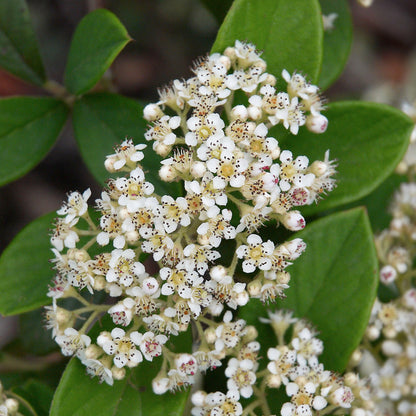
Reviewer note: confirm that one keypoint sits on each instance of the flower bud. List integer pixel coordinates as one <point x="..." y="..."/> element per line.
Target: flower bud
<point x="255" y="113"/>
<point x="293" y="221"/>
<point x="118" y="373"/>
<point x="152" y="112"/>
<point x="316" y="123"/>
<point x="167" y="173"/>
<point x="239" y="112"/>
<point x="274" y="381"/>
<point x="12" y="406"/>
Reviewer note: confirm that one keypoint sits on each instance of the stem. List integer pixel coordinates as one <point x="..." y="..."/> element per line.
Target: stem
<point x="59" y="91"/>
<point x="249" y="409"/>
<point x="263" y="402"/>
<point x="89" y="244"/>
<point x="97" y="308"/>
<point x="91" y="319"/>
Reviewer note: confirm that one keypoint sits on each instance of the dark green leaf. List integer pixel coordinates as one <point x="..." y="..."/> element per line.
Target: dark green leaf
<point x="333" y="283"/>
<point x="367" y="139"/>
<point x="289" y="32"/>
<point x="97" y="41"/>
<point x="337" y="42"/>
<point x="37" y="394"/>
<point x="19" y="53"/>
<point x="218" y="8"/>
<point x="29" y="127"/>
<point x="25" y="271"/>
<point x="377" y="203"/>
<point x="102" y="121"/>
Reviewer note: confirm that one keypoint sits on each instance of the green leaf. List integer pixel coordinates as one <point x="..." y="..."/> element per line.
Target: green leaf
<point x="218" y="8"/>
<point x="378" y="202"/>
<point x="29" y="127"/>
<point x="97" y="41"/>
<point x="289" y="32"/>
<point x="37" y="394"/>
<point x="333" y="284"/>
<point x="19" y="53"/>
<point x="367" y="139"/>
<point x="25" y="271"/>
<point x="337" y="42"/>
<point x="78" y="395"/>
<point x="101" y="122"/>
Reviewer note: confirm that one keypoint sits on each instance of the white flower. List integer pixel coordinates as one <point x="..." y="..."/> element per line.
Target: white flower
<point x="121" y="346"/>
<point x="127" y="154"/>
<point x="202" y="129"/>
<point x="72" y="342"/>
<point x="149" y="343"/>
<point x="241" y="376"/>
<point x="257" y="254"/>
<point x="75" y="207"/>
<point x="123" y="269"/>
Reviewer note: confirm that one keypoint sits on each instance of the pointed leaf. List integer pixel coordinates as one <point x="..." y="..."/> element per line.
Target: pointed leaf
<point x="337" y="42"/>
<point x="29" y="127"/>
<point x="19" y="53"/>
<point x="97" y="41"/>
<point x="289" y="32"/>
<point x="25" y="271"/>
<point x="101" y="122"/>
<point x="333" y="284"/>
<point x="367" y="139"/>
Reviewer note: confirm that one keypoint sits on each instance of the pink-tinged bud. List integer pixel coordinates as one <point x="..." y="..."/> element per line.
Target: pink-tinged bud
<point x="316" y="123"/>
<point x="409" y="299"/>
<point x="293" y="221"/>
<point x="388" y="274"/>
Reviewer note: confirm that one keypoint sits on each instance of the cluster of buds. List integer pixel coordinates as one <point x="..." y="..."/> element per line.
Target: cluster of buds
<point x="293" y="363"/>
<point x="387" y="355"/>
<point x="8" y="406"/>
<point x="161" y="262"/>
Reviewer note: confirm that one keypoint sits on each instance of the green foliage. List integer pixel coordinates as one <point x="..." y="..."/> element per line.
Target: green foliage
<point x="97" y="41"/>
<point x="25" y="271"/>
<point x="37" y="394"/>
<point x="333" y="284"/>
<point x="366" y="139"/>
<point x="291" y="41"/>
<point x="19" y="52"/>
<point x="101" y="122"/>
<point x="337" y="42"/>
<point x="29" y="127"/>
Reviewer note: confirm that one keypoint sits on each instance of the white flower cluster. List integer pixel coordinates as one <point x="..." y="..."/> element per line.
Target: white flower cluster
<point x="160" y="261"/>
<point x="390" y="363"/>
<point x="293" y="363"/>
<point x="8" y="406"/>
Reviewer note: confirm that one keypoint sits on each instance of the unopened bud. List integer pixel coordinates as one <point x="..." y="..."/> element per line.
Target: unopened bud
<point x="167" y="173"/>
<point x="316" y="123"/>
<point x="152" y="112"/>
<point x="118" y="373"/>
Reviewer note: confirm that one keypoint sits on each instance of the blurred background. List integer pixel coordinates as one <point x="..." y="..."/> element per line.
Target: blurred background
<point x="168" y="35"/>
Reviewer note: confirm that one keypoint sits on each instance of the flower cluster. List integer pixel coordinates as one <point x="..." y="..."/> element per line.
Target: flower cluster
<point x="8" y="406"/>
<point x="388" y="353"/>
<point x="162" y="264"/>
<point x="292" y="363"/>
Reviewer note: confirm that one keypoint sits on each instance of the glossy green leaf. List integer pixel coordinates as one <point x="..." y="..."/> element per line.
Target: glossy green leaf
<point x="78" y="395"/>
<point x="29" y="127"/>
<point x="37" y="394"/>
<point x="101" y="122"/>
<point x="337" y="42"/>
<point x="289" y="32"/>
<point x="25" y="271"/>
<point x="333" y="284"/>
<point x="19" y="52"/>
<point x="367" y="139"/>
<point x="97" y="41"/>
<point x="218" y="8"/>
